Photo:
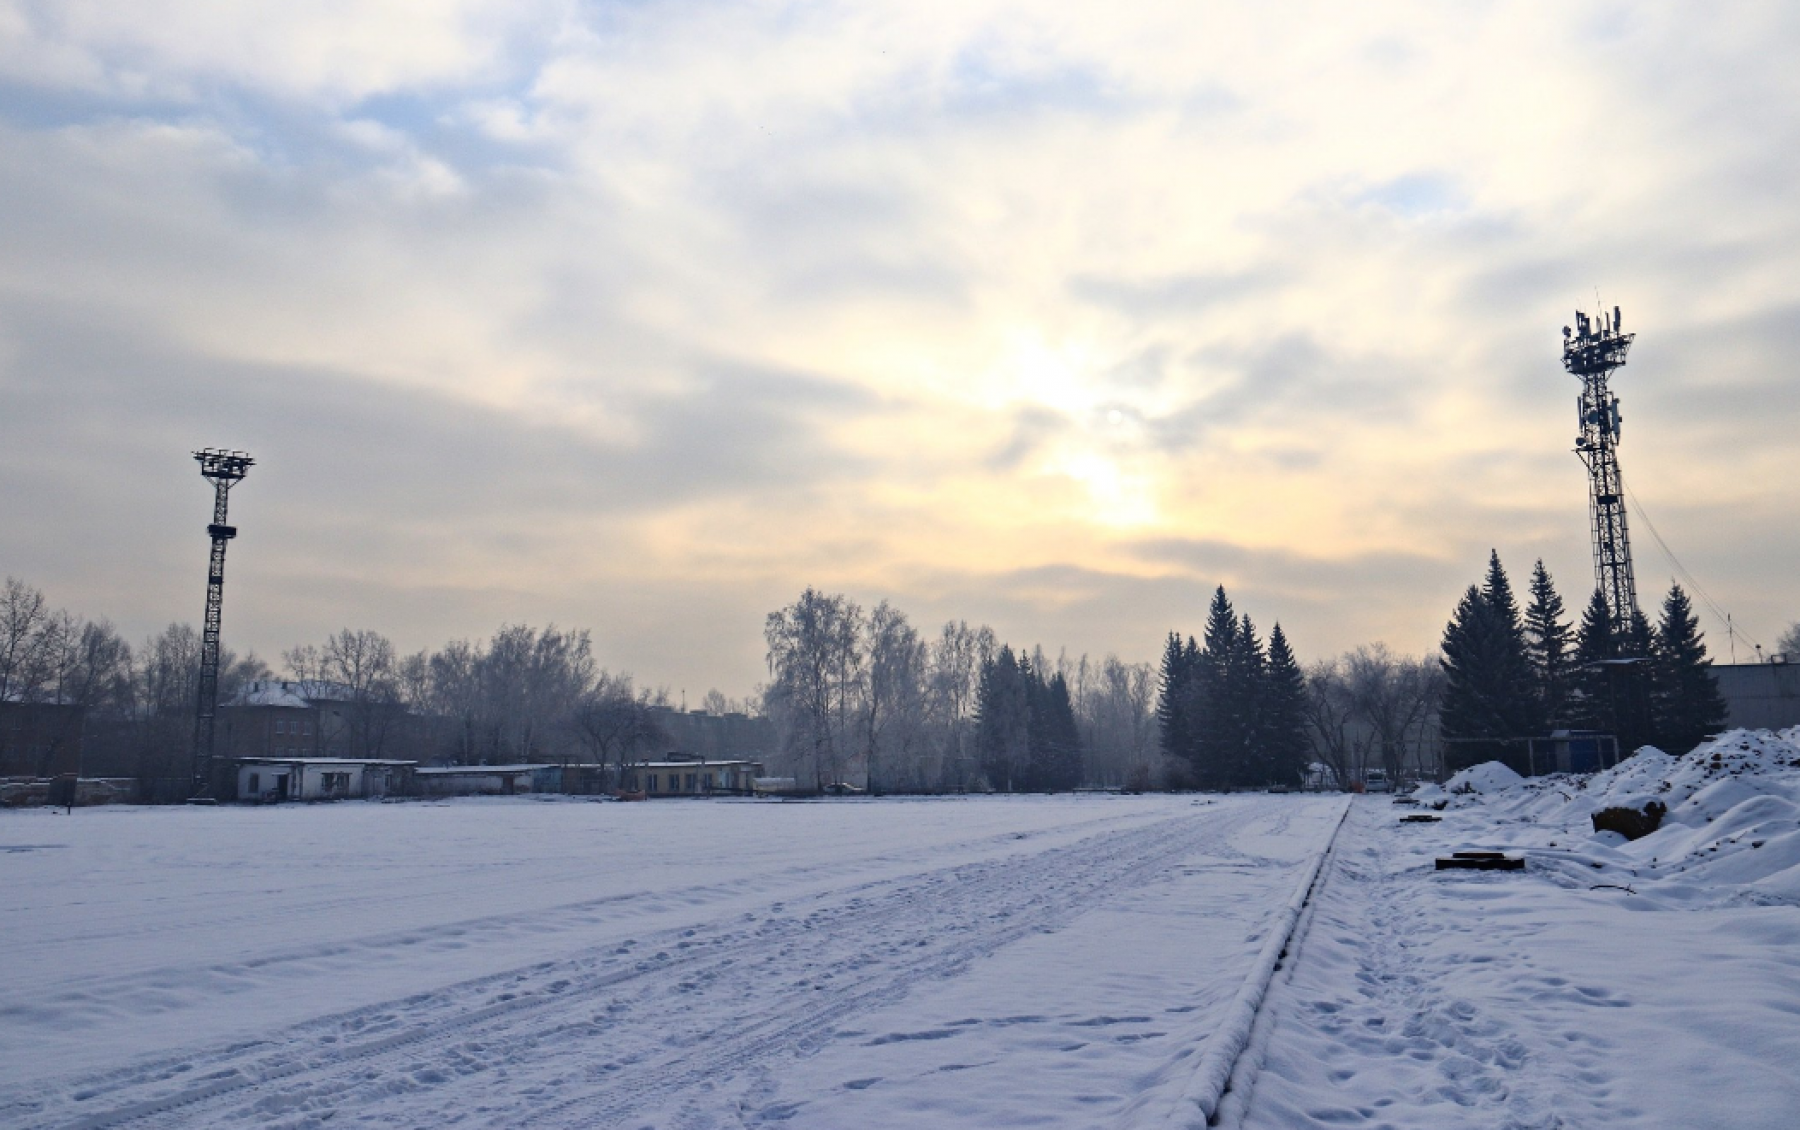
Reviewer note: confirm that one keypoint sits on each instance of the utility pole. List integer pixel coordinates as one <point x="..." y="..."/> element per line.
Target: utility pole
<point x="224" y="470"/>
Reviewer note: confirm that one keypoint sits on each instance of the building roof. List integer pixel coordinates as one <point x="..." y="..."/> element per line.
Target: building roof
<point x="302" y="693"/>
<point x="478" y="770"/>
<point x="321" y="761"/>
<point x="690" y="764"/>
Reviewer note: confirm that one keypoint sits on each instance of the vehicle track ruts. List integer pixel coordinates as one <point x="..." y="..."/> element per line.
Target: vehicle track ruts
<point x="310" y="1066"/>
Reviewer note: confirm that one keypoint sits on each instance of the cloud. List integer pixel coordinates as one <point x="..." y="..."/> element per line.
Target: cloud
<point x="649" y="315"/>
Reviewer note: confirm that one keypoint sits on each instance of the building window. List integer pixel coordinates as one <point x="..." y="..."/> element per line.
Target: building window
<point x="280" y="726"/>
<point x="255" y="785"/>
<point x="690" y="783"/>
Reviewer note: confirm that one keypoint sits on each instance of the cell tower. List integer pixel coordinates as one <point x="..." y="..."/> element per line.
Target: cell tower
<point x="1592" y="350"/>
<point x="223" y="469"/>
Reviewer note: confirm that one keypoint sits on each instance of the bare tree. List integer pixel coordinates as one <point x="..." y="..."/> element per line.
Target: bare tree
<point x="1370" y="706"/>
<point x="24" y="618"/>
<point x="815" y="668"/>
<point x="1115" y="706"/>
<point x="894" y="710"/>
<point x="1339" y="740"/>
<point x="1395" y="697"/>
<point x="616" y="723"/>
<point x="1788" y="644"/>
<point x="362" y="667"/>
<point x="953" y="681"/>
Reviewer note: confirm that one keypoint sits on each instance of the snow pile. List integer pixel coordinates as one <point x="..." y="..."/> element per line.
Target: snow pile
<point x="1488" y="777"/>
<point x="1732" y="820"/>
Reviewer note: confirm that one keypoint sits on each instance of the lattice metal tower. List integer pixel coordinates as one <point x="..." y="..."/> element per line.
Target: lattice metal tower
<point x="1592" y="350"/>
<point x="223" y="469"/>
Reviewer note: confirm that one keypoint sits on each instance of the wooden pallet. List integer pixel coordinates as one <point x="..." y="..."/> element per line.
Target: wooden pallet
<point x="1480" y="861"/>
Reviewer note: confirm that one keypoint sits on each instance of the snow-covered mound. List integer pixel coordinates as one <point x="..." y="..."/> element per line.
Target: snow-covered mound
<point x="1488" y="777"/>
<point x="1732" y="820"/>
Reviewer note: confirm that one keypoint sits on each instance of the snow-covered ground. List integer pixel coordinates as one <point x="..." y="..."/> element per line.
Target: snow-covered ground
<point x="1654" y="983"/>
<point x="970" y="962"/>
<point x="974" y="962"/>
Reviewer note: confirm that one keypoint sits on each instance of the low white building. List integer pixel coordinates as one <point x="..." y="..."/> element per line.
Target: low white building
<point x="481" y="780"/>
<point x="692" y="777"/>
<point x="275" y="779"/>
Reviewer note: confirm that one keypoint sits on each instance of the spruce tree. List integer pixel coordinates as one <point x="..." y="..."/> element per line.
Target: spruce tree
<point x="1514" y="691"/>
<point x="1633" y="676"/>
<point x="1465" y="716"/>
<point x="1590" y="704"/>
<point x="1173" y="727"/>
<point x="1688" y="706"/>
<point x="1247" y="683"/>
<point x="1002" y="723"/>
<point x="1489" y="703"/>
<point x="1059" y="756"/>
<point x="1548" y="646"/>
<point x="1213" y="722"/>
<point x="1284" y="714"/>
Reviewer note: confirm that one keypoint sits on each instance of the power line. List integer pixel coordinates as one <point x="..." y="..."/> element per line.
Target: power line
<point x="1681" y="571"/>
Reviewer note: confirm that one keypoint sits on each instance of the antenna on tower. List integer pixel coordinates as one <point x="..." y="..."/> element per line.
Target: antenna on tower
<point x="1594" y="353"/>
<point x="224" y="470"/>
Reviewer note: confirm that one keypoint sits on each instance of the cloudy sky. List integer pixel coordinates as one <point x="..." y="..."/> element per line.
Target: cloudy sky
<point x="644" y="316"/>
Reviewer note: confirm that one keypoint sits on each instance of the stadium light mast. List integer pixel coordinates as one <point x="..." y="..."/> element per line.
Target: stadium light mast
<point x="224" y="470"/>
<point x="1592" y="350"/>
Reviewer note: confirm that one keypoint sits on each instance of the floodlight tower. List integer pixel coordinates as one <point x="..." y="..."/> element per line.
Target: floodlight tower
<point x="1592" y="350"/>
<point x="223" y="469"/>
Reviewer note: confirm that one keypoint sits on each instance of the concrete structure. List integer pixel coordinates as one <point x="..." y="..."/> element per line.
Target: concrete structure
<point x="692" y="777"/>
<point x="275" y="779"/>
<point x="482" y="780"/>
<point x="1760" y="696"/>
<point x="18" y="792"/>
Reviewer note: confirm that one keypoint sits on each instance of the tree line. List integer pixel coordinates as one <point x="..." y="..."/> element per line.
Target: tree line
<point x="1512" y="674"/>
<point x="1232" y="711"/>
<point x="524" y="695"/>
<point x="863" y="696"/>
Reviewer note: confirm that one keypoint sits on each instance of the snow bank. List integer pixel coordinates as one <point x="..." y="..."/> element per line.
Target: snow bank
<point x="1488" y="777"/>
<point x="1733" y="818"/>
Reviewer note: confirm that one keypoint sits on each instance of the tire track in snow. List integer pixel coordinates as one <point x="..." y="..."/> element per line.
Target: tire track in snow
<point x="317" y="1067"/>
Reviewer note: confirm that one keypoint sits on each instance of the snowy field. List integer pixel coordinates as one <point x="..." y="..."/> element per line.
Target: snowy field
<point x="968" y="962"/>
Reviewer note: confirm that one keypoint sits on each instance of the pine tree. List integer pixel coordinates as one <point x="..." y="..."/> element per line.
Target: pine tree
<point x="1214" y="726"/>
<point x="1175" y="730"/>
<point x="1489" y="701"/>
<point x="1284" y="713"/>
<point x="1548" y="644"/>
<point x="1247" y="682"/>
<point x="1057" y="753"/>
<point x="1514" y="691"/>
<point x="1590" y="695"/>
<point x="1688" y="706"/>
<point x="1465" y="715"/>
<point x="1633" y="677"/>
<point x="1002" y="723"/>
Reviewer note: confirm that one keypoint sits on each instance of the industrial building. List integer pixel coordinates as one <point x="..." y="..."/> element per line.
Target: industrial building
<point x="1760" y="696"/>
<point x="275" y="779"/>
<point x="692" y="777"/>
